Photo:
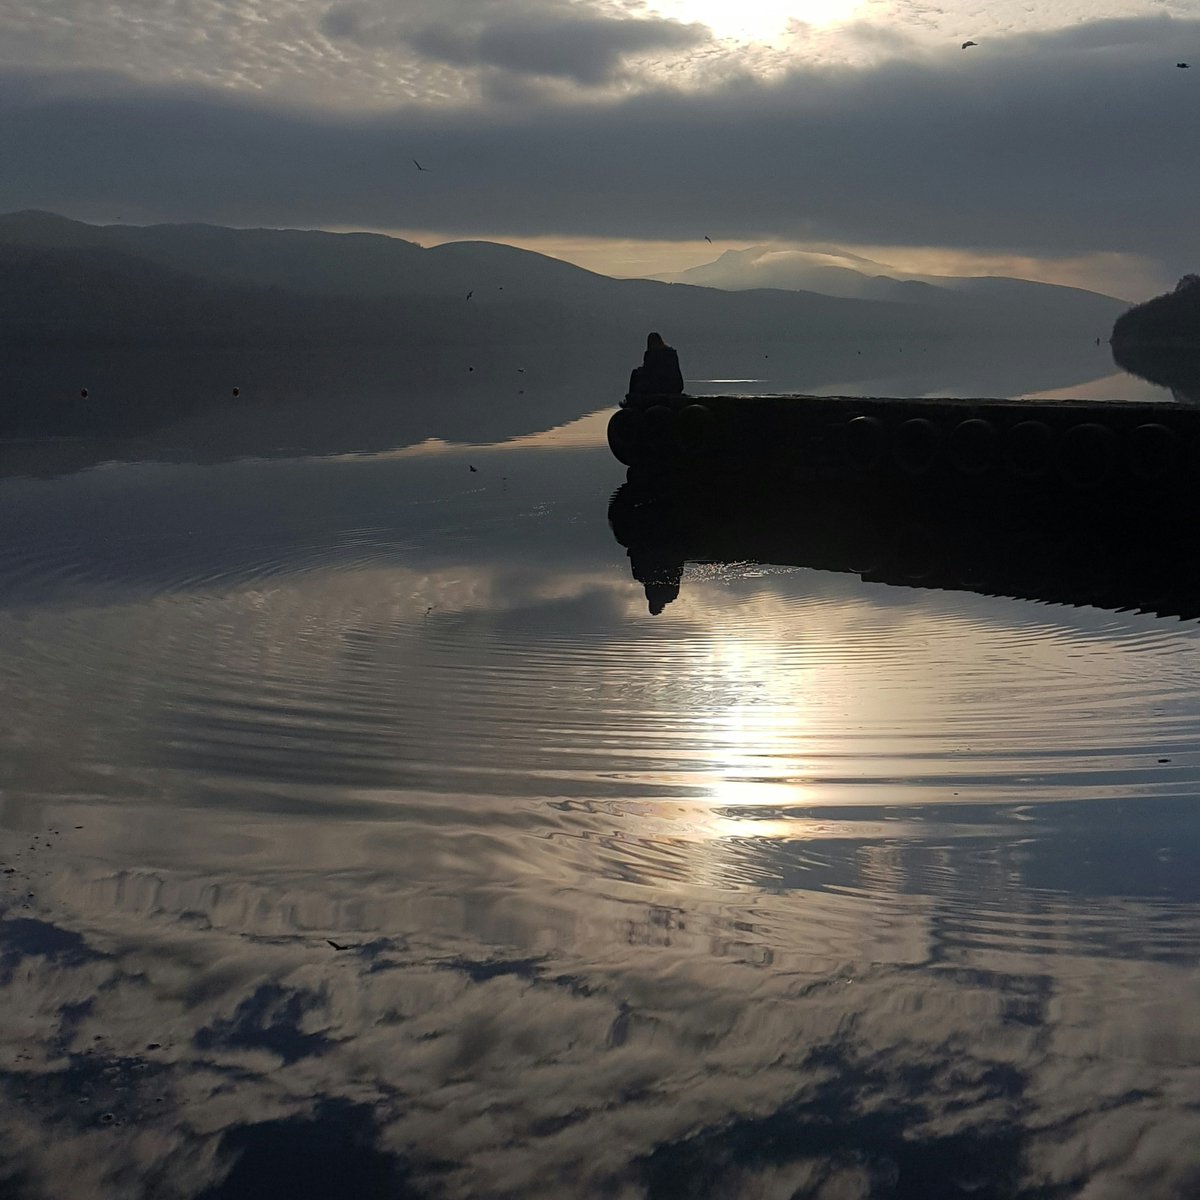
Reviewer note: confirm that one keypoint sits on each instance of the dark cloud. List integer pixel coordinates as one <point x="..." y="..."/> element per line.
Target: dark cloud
<point x="588" y="50"/>
<point x="563" y="44"/>
<point x="1060" y="143"/>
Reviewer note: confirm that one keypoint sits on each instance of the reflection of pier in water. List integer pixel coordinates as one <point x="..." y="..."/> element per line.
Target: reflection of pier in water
<point x="1103" y="555"/>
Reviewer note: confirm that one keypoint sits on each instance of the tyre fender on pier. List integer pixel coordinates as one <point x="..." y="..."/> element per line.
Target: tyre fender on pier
<point x="916" y="445"/>
<point x="864" y="441"/>
<point x="629" y="436"/>
<point x="660" y="425"/>
<point x="695" y="428"/>
<point x="1028" y="449"/>
<point x="1087" y="454"/>
<point x="973" y="445"/>
<point x="1154" y="452"/>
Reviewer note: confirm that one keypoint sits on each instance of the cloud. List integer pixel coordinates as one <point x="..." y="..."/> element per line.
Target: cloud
<point x="1062" y="143"/>
<point x="609" y="1037"/>
<point x="588" y="49"/>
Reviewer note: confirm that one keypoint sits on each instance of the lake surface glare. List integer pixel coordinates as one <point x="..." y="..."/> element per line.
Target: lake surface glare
<point x="363" y="834"/>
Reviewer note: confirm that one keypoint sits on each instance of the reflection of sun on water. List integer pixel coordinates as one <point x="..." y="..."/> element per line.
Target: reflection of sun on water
<point x="764" y="21"/>
<point x="757" y="731"/>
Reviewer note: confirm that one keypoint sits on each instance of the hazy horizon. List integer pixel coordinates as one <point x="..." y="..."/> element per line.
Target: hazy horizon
<point x="1115" y="275"/>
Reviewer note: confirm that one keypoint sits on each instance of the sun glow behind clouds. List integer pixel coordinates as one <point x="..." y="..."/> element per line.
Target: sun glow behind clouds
<point x="764" y="22"/>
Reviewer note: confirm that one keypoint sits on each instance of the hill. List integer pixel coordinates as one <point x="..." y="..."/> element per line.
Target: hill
<point x="1007" y="302"/>
<point x="1170" y="320"/>
<point x="67" y="280"/>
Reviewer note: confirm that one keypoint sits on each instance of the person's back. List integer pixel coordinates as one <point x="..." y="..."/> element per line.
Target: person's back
<point x="659" y="374"/>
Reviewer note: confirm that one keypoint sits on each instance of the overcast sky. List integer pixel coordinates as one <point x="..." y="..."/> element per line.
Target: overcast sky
<point x="623" y="134"/>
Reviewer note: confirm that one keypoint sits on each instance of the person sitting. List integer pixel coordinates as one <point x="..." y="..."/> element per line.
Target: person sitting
<point x="659" y="374"/>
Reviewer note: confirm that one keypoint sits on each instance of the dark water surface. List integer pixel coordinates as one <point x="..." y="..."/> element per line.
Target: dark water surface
<point x="363" y="835"/>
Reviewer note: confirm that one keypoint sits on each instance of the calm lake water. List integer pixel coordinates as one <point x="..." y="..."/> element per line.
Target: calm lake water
<point x="363" y="834"/>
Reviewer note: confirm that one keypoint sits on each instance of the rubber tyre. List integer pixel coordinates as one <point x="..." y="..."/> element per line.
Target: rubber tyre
<point x="1029" y="450"/>
<point x="695" y="428"/>
<point x="1154" y="452"/>
<point x="864" y="441"/>
<point x="916" y="445"/>
<point x="629" y="437"/>
<point x="1087" y="454"/>
<point x="973" y="446"/>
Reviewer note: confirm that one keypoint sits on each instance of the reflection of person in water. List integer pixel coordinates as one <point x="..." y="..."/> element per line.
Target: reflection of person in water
<point x="659" y="571"/>
<point x="655" y="541"/>
<point x="659" y="374"/>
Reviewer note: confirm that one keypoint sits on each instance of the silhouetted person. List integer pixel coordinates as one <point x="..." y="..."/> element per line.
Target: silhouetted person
<point x="659" y="374"/>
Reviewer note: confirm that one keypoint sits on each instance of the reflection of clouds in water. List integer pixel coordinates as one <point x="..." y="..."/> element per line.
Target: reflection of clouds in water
<point x="518" y="1038"/>
<point x="598" y="935"/>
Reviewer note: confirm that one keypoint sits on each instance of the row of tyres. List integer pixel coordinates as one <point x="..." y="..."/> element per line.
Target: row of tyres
<point x="646" y="435"/>
<point x="1080" y="452"/>
<point x="1083" y="453"/>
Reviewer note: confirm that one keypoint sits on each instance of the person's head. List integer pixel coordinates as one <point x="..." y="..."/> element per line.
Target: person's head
<point x="654" y="341"/>
<point x="659" y="595"/>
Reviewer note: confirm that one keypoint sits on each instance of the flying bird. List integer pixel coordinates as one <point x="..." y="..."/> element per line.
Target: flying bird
<point x="966" y="44"/>
<point x="1182" y="66"/>
<point x="470" y="293"/>
<point x="471" y="468"/>
<point x="418" y="166"/>
<point x="708" y="239"/>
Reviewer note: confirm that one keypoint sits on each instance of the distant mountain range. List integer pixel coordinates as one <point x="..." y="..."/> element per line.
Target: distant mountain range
<point x="65" y="280"/>
<point x="853" y="277"/>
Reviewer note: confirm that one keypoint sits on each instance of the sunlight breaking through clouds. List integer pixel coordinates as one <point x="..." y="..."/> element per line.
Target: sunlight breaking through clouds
<point x="366" y="55"/>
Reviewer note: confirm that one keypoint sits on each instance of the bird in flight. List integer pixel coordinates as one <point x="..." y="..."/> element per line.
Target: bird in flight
<point x="966" y="44"/>
<point x="708" y="239"/>
<point x="1182" y="66"/>
<point x="470" y="293"/>
<point x="418" y="166"/>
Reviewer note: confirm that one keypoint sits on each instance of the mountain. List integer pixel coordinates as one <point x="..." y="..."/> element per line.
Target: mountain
<point x="306" y="262"/>
<point x="66" y="279"/>
<point x="849" y="276"/>
<point x="309" y="261"/>
<point x="1006" y="301"/>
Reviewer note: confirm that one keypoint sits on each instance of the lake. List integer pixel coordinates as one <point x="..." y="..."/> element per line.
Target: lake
<point x="362" y="832"/>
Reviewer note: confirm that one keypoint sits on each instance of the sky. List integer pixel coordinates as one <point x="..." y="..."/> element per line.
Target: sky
<point x="631" y="136"/>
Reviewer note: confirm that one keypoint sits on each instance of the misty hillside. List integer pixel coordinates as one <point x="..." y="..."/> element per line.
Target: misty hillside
<point x="849" y="276"/>
<point x="308" y="262"/>
<point x="66" y="280"/>
<point x="854" y="277"/>
<point x="350" y="264"/>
